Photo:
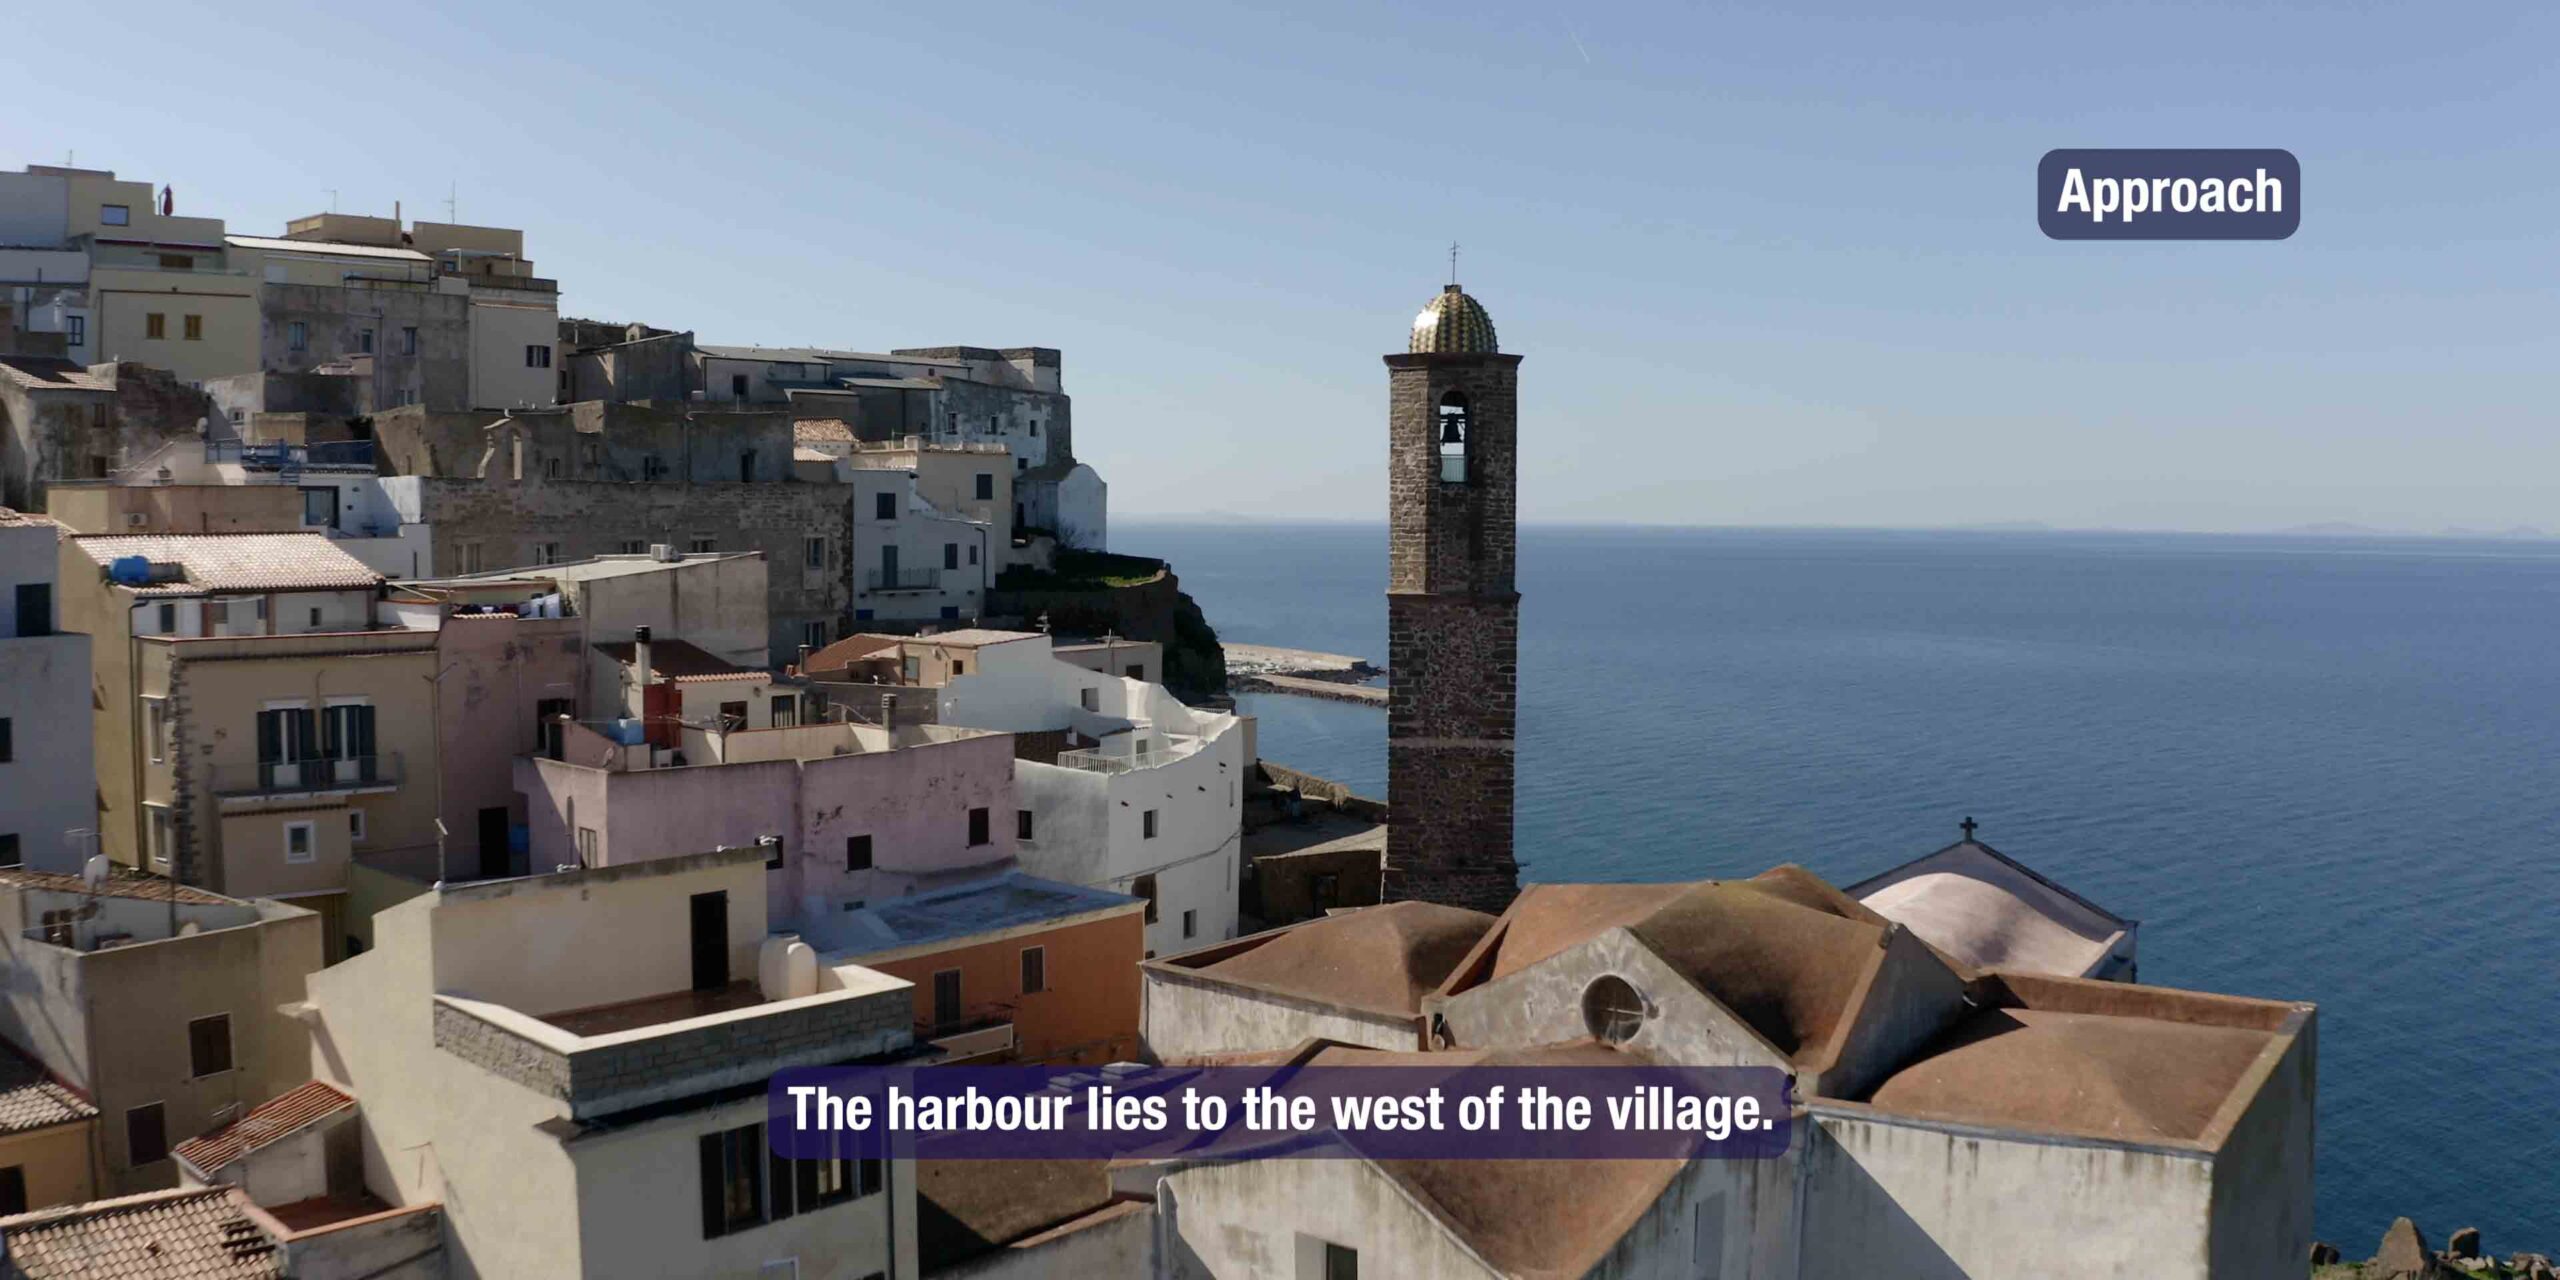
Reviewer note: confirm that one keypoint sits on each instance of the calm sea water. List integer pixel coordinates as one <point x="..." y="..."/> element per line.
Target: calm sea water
<point x="2314" y="769"/>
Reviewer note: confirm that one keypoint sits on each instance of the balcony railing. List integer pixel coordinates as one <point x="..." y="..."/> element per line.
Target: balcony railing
<point x="905" y="579"/>
<point x="291" y="457"/>
<point x="303" y="777"/>
<point x="1096" y="762"/>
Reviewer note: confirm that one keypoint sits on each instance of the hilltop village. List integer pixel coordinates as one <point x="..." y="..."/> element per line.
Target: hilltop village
<point x="453" y="755"/>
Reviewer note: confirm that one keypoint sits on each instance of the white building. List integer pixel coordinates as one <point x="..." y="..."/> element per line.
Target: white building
<point x="47" y="794"/>
<point x="573" y="1065"/>
<point x="1142" y="794"/>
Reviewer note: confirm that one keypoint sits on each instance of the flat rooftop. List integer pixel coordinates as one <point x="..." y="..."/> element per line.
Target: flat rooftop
<point x="650" y="1011"/>
<point x="1010" y="901"/>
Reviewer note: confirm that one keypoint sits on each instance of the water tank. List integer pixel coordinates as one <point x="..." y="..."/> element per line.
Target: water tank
<point x="786" y="968"/>
<point x="131" y="571"/>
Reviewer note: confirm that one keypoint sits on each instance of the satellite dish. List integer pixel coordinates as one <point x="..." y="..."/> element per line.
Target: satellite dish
<point x="93" y="873"/>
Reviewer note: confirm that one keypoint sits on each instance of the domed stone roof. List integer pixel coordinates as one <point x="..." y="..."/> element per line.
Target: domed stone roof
<point x="1453" y="324"/>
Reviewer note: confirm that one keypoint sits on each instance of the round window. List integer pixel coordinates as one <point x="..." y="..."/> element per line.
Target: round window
<point x="1612" y="1010"/>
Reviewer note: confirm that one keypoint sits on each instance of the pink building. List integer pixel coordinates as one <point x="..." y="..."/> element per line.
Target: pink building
<point x="855" y="814"/>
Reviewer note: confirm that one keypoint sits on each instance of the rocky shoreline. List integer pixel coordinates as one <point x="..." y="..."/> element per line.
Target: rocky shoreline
<point x="2404" y="1255"/>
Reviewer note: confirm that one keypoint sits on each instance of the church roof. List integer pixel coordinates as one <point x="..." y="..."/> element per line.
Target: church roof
<point x="1984" y="910"/>
<point x="1453" y="324"/>
<point x="1383" y="958"/>
<point x="2134" y="1079"/>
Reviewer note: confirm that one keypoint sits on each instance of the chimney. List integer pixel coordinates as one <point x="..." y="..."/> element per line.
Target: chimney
<point x="640" y="671"/>
<point x="803" y="668"/>
<point x="889" y="716"/>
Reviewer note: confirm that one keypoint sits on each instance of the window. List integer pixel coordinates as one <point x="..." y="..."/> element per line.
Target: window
<point x="1090" y="699"/>
<point x="546" y="553"/>
<point x="1147" y="824"/>
<point x="355" y="826"/>
<point x="10" y="853"/>
<point x="297" y="336"/>
<point x="1612" y="1010"/>
<point x="884" y="506"/>
<point x="537" y="356"/>
<point x="946" y="997"/>
<point x="164" y="836"/>
<point x="951" y="555"/>
<point x="959" y="667"/>
<point x="209" y="1045"/>
<point x="786" y="710"/>
<point x="950" y="613"/>
<point x="195" y="328"/>
<point x="8" y="739"/>
<point x="814" y="635"/>
<point x="733" y="1166"/>
<point x="733" y="715"/>
<point x="1022" y="824"/>
<point x="653" y="467"/>
<point x="977" y="826"/>
<point x="631" y="547"/>
<point x="146" y="1135"/>
<point x="1453" y="438"/>
<point x="1035" y="427"/>
<point x="408" y="339"/>
<point x="167" y="621"/>
<point x="364" y="341"/>
<point x="701" y="546"/>
<point x="813" y="553"/>
<point x="973" y="555"/>
<point x="857" y="853"/>
<point x="1035" y="970"/>
<point x="1145" y="887"/>
<point x="155" y="325"/>
<point x="299" y="845"/>
<point x="1190" y="923"/>
<point x="76" y="330"/>
<point x="586" y="846"/>
<point x="1022" y="464"/>
<point x="738" y="386"/>
<point x="554" y="469"/>
<point x="1341" y="1262"/>
<point x="115" y="215"/>
<point x="470" y="557"/>
<point x="986" y="485"/>
<point x="13" y="1190"/>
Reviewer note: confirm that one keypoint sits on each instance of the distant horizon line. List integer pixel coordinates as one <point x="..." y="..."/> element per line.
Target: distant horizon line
<point x="2341" y="530"/>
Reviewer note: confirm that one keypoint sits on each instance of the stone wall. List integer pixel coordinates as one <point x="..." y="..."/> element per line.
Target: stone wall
<point x="619" y="1074"/>
<point x="335" y="319"/>
<point x="591" y="518"/>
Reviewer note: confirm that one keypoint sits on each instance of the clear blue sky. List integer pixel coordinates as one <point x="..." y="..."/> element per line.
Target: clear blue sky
<point x="1767" y="265"/>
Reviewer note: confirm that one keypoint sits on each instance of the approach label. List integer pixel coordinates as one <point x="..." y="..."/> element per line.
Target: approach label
<point x="2234" y="194"/>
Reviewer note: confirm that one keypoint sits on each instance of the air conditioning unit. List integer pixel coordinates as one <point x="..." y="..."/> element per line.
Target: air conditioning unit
<point x="662" y="552"/>
<point x="136" y="520"/>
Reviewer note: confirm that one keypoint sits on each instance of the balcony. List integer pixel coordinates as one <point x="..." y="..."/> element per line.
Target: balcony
<point x="905" y="579"/>
<point x="1096" y="762"/>
<point x="307" y="777"/>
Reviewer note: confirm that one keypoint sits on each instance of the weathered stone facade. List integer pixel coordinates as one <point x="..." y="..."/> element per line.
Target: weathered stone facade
<point x="1452" y="632"/>
<point x="498" y="524"/>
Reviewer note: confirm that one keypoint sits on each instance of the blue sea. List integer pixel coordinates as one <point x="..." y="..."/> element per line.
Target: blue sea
<point x="2323" y="769"/>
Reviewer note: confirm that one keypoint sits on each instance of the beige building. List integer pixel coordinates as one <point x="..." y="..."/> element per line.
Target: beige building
<point x="158" y="1002"/>
<point x="257" y="731"/>
<point x="573" y="1066"/>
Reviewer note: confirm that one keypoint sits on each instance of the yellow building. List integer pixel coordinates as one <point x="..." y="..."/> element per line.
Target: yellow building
<point x="257" y="731"/>
<point x="164" y="290"/>
<point x="46" y="1132"/>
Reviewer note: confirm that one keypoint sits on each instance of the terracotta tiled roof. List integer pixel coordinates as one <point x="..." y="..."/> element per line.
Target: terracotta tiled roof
<point x="193" y="1233"/>
<point x="684" y="661"/>
<point x="121" y="883"/>
<point x="51" y="373"/>
<point x="272" y="1121"/>
<point x="30" y="1098"/>
<point x="1383" y="958"/>
<point x="237" y="561"/>
<point x="831" y="430"/>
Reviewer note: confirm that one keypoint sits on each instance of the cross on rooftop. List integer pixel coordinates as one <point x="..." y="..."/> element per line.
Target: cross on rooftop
<point x="1968" y="824"/>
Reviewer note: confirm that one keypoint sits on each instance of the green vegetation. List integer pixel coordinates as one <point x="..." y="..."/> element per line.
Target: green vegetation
<point x="1083" y="571"/>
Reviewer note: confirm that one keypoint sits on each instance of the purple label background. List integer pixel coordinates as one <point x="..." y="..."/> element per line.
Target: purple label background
<point x="1081" y="1140"/>
<point x="2168" y="224"/>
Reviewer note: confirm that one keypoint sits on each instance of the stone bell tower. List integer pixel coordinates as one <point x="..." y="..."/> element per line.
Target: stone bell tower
<point x="1453" y="614"/>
